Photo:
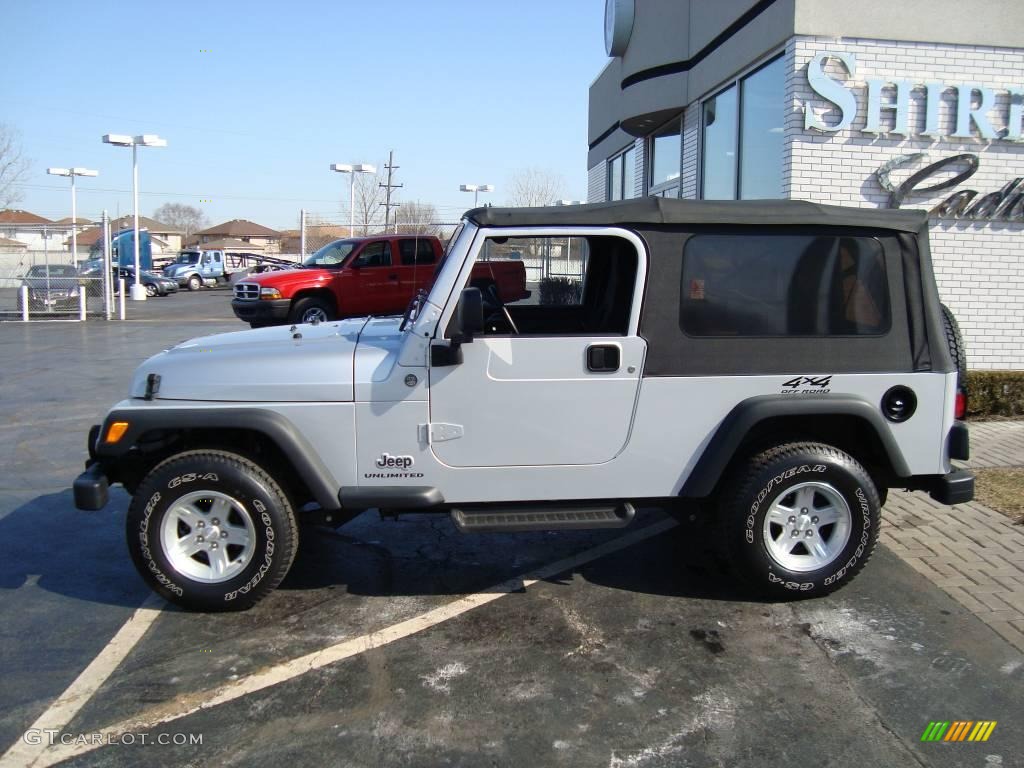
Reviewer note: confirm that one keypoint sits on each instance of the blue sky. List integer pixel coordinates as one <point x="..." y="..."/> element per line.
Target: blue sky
<point x="464" y="92"/>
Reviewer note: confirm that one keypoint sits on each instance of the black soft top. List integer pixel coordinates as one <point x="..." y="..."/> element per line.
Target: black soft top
<point x="660" y="210"/>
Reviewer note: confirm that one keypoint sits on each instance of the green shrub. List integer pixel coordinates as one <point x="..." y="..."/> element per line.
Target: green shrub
<point x="995" y="393"/>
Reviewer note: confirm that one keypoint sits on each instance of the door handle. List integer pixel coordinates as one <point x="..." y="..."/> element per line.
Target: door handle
<point x="603" y="358"/>
<point x="392" y="277"/>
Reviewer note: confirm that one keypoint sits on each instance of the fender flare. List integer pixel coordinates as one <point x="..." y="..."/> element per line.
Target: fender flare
<point x="747" y="414"/>
<point x="314" y="473"/>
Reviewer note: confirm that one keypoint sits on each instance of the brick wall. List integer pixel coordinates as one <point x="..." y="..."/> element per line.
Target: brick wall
<point x="979" y="265"/>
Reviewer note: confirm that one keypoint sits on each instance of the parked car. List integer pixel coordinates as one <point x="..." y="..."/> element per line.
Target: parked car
<point x="51" y="288"/>
<point x="155" y="284"/>
<point x="361" y="276"/>
<point x="773" y="367"/>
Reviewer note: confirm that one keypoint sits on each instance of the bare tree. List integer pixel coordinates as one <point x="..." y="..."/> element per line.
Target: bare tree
<point x="13" y="166"/>
<point x="367" y="203"/>
<point x="531" y="187"/>
<point x="416" y="218"/>
<point x="187" y="218"/>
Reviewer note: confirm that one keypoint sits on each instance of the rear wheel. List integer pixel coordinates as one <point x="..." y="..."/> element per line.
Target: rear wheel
<point x="211" y="531"/>
<point x="311" y="309"/>
<point x="801" y="521"/>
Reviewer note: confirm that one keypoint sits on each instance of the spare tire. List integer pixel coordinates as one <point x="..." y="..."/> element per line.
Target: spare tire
<point x="955" y="341"/>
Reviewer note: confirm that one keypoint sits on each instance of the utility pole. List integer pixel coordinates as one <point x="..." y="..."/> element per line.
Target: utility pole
<point x="388" y="205"/>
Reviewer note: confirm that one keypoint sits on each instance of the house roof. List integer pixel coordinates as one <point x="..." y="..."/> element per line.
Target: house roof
<point x="239" y="228"/>
<point x="6" y="242"/>
<point x="79" y="221"/>
<point x="154" y="227"/>
<point x="661" y="210"/>
<point x="231" y="244"/>
<point x="13" y="216"/>
<point x="127" y="222"/>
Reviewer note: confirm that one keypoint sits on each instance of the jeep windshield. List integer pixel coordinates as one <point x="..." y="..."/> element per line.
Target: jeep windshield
<point x="331" y="255"/>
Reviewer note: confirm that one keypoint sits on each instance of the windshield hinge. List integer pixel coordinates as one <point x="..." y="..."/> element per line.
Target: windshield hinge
<point x="439" y="433"/>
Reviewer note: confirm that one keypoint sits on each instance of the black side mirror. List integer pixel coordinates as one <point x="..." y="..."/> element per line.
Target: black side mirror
<point x="469" y="314"/>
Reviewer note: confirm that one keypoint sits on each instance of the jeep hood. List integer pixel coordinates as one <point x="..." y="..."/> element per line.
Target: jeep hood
<point x="304" y="363"/>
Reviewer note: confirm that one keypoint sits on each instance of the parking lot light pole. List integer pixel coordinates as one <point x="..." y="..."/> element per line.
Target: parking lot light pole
<point x="138" y="290"/>
<point x="352" y="169"/>
<point x="476" y="189"/>
<point x="73" y="172"/>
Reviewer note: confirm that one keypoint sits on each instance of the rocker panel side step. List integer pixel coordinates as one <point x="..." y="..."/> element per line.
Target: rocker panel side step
<point x="495" y="518"/>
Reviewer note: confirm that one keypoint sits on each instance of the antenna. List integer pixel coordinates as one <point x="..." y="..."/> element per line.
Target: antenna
<point x="388" y="205"/>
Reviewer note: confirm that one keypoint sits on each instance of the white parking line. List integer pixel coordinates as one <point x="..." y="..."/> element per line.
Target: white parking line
<point x="85" y="685"/>
<point x="187" y="704"/>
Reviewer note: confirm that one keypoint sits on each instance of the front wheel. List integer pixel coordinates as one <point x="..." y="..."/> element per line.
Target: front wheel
<point x="195" y="283"/>
<point x="150" y="290"/>
<point x="801" y="521"/>
<point x="211" y="531"/>
<point x="311" y="310"/>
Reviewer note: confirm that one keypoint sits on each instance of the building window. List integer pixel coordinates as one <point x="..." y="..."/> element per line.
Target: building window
<point x="622" y="176"/>
<point x="742" y="147"/>
<point x="665" y="158"/>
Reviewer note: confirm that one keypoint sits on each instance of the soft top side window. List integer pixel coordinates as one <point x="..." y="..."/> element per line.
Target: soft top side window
<point x="778" y="285"/>
<point x="573" y="285"/>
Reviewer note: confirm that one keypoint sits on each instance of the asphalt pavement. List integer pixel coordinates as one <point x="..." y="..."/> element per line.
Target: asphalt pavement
<point x="407" y="643"/>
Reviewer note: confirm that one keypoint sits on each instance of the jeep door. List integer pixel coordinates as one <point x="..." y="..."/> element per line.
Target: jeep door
<point x="554" y="377"/>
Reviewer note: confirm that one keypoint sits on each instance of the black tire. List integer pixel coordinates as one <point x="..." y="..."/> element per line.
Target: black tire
<point x="304" y="309"/>
<point x="955" y="340"/>
<point x="151" y="290"/>
<point x="273" y="534"/>
<point x="776" y="476"/>
<point x="195" y="283"/>
<point x="259" y="324"/>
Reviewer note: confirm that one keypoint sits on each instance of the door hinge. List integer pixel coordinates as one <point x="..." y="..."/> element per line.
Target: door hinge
<point x="438" y="433"/>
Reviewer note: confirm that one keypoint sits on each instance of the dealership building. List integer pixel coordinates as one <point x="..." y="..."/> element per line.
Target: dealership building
<point x="909" y="104"/>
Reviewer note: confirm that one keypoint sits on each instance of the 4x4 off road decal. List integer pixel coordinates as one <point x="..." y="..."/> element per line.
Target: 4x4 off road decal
<point x="401" y="463"/>
<point x="807" y="385"/>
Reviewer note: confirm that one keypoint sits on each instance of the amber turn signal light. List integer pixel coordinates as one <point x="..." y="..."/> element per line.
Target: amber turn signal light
<point x="116" y="431"/>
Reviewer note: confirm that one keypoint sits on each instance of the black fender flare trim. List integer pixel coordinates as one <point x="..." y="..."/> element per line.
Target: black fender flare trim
<point x="747" y="414"/>
<point x="390" y="496"/>
<point x="314" y="473"/>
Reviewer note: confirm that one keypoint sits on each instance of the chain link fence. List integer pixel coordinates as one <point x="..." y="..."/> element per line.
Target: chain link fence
<point x="40" y="274"/>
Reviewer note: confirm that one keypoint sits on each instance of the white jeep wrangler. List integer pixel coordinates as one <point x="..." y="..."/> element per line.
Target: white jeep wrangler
<point x="779" y="365"/>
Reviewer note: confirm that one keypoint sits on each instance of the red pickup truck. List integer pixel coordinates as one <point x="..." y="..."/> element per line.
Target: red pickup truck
<point x="361" y="276"/>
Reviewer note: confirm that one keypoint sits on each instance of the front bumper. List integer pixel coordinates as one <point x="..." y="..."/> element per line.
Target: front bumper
<point x="92" y="489"/>
<point x="261" y="310"/>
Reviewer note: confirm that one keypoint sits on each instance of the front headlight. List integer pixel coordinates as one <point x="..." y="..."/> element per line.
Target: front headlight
<point x="270" y="293"/>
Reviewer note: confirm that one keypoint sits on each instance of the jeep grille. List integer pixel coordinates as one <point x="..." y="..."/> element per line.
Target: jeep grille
<point x="247" y="291"/>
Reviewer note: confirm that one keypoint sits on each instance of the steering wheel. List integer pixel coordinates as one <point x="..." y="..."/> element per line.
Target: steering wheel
<point x="491" y="297"/>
